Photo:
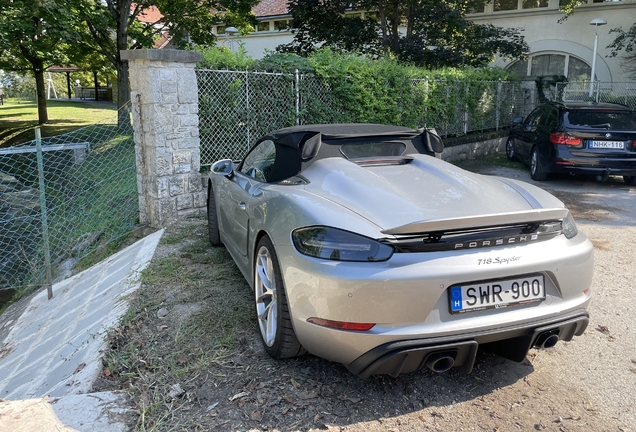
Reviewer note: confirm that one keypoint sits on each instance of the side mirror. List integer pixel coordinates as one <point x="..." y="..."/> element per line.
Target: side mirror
<point x="517" y="120"/>
<point x="435" y="142"/>
<point x="223" y="167"/>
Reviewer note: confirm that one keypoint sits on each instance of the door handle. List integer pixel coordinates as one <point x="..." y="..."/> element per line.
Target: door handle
<point x="242" y="205"/>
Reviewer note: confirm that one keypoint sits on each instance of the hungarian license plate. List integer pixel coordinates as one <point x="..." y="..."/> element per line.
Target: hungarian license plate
<point x="496" y="294"/>
<point x="607" y="144"/>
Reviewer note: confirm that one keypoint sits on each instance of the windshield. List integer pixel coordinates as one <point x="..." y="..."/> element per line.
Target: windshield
<point x="601" y="119"/>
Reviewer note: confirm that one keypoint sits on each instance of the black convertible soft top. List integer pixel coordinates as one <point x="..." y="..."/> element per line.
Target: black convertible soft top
<point x="299" y="146"/>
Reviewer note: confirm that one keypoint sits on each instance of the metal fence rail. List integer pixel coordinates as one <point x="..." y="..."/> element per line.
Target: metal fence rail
<point x="616" y="92"/>
<point x="64" y="197"/>
<point x="235" y="108"/>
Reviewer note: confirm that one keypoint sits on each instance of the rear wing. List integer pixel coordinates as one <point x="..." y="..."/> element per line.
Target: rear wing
<point x="476" y="222"/>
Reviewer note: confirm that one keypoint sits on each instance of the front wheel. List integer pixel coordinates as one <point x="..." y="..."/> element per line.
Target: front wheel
<point x="630" y="180"/>
<point x="510" y="151"/>
<point x="536" y="169"/>
<point x="272" y="309"/>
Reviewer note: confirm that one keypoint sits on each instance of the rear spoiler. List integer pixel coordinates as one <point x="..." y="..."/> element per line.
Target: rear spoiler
<point x="475" y="222"/>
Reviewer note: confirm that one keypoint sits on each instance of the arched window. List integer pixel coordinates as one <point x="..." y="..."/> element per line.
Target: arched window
<point x="536" y="65"/>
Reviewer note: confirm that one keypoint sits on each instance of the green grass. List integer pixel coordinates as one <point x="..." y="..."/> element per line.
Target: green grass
<point x="19" y="118"/>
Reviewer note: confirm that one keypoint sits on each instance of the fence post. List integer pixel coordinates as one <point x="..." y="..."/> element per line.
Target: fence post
<point x="45" y="221"/>
<point x="297" y="97"/>
<point x="498" y="105"/>
<point x="247" y="106"/>
<point x="163" y="88"/>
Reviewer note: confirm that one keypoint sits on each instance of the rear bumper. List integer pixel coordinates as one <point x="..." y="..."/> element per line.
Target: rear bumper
<point x="512" y="342"/>
<point x="566" y="162"/>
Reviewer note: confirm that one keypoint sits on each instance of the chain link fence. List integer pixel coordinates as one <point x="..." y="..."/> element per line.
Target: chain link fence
<point x="616" y="92"/>
<point x="64" y="197"/>
<point x="236" y="108"/>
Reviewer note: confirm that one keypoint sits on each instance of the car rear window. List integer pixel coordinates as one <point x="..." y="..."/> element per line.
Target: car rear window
<point x="601" y="119"/>
<point x="372" y="148"/>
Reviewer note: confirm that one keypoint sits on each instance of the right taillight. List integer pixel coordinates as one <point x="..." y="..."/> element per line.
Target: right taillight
<point x="564" y="139"/>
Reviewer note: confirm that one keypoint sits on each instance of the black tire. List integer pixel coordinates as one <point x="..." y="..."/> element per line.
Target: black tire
<point x="630" y="180"/>
<point x="536" y="169"/>
<point x="510" y="151"/>
<point x="272" y="309"/>
<point x="213" y="221"/>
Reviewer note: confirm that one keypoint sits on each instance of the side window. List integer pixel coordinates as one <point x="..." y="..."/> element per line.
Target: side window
<point x="259" y="162"/>
<point x="551" y="118"/>
<point x="534" y="118"/>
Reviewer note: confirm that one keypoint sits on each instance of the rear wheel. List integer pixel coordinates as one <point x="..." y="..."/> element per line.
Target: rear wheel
<point x="630" y="180"/>
<point x="272" y="309"/>
<point x="536" y="169"/>
<point x="510" y="151"/>
<point x="213" y="222"/>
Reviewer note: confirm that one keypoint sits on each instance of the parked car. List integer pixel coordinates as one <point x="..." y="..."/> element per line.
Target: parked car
<point x="364" y="248"/>
<point x="576" y="138"/>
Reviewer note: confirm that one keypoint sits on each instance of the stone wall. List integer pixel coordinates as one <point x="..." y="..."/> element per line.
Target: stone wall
<point x="164" y="97"/>
<point x="474" y="149"/>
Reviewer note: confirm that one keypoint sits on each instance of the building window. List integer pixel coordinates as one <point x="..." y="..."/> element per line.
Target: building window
<point x="220" y="30"/>
<point x="262" y="26"/>
<point x="505" y="5"/>
<point x="532" y="4"/>
<point x="552" y="64"/>
<point x="280" y="25"/>
<point x="509" y="5"/>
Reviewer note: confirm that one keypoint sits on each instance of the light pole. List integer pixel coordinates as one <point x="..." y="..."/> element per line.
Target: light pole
<point x="231" y="31"/>
<point x="595" y="22"/>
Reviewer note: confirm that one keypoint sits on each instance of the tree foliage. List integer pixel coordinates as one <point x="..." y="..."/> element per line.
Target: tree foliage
<point x="33" y="36"/>
<point x="436" y="32"/>
<point x="114" y="25"/>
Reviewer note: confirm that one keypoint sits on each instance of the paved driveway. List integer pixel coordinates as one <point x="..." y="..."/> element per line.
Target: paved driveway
<point x="603" y="361"/>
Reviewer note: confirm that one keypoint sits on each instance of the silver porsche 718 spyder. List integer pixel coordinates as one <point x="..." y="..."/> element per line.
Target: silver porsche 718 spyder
<point x="364" y="248"/>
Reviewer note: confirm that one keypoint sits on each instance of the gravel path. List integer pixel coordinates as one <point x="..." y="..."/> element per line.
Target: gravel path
<point x="603" y="361"/>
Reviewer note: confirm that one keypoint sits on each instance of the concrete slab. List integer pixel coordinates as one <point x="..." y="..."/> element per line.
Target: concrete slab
<point x="55" y="346"/>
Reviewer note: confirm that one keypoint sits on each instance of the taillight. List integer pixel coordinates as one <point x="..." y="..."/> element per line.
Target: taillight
<point x="564" y="139"/>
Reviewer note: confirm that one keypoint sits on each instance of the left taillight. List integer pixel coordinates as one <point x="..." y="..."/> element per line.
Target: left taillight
<point x="564" y="138"/>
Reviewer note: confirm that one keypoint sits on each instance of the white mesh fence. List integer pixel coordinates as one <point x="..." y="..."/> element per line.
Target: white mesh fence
<point x="236" y="108"/>
<point x="616" y="92"/>
<point x="64" y="197"/>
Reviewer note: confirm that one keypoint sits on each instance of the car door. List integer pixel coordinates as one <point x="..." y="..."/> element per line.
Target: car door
<point x="239" y="193"/>
<point x="528" y="134"/>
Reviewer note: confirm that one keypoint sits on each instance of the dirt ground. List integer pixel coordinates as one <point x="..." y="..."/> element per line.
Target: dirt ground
<point x="189" y="355"/>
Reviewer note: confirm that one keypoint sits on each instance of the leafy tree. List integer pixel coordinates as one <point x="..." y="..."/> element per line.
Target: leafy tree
<point x="437" y="34"/>
<point x="113" y="25"/>
<point x="33" y="36"/>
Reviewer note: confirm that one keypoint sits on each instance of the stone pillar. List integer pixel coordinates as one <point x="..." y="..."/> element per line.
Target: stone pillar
<point x="164" y="96"/>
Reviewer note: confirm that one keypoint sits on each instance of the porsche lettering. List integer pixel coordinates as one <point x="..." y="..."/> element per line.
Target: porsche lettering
<point x="497" y="242"/>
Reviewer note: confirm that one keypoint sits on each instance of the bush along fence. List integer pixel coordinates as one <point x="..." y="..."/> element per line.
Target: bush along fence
<point x="235" y="107"/>
<point x="63" y="198"/>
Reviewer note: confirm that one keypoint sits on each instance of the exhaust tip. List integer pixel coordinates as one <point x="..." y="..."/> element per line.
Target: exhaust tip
<point x="440" y="362"/>
<point x="547" y="340"/>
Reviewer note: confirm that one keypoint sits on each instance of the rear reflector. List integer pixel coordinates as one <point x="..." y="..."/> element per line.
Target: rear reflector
<point x="587" y="291"/>
<point x="564" y="163"/>
<point x="564" y="138"/>
<point x="340" y="325"/>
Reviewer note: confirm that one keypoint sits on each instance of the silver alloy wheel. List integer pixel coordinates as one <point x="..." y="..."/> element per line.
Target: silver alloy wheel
<point x="510" y="152"/>
<point x="266" y="296"/>
<point x="534" y="162"/>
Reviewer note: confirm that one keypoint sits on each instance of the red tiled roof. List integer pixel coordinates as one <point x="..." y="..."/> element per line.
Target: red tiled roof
<point x="270" y="8"/>
<point x="149" y="15"/>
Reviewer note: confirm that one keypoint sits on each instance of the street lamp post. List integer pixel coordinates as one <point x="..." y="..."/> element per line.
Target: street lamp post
<point x="231" y="31"/>
<point x="595" y="22"/>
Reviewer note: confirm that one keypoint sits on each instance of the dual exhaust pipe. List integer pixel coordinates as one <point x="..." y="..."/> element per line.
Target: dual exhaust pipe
<point x="443" y="361"/>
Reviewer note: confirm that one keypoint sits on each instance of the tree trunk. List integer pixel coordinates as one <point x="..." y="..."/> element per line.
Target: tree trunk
<point x="38" y="70"/>
<point x="96" y="86"/>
